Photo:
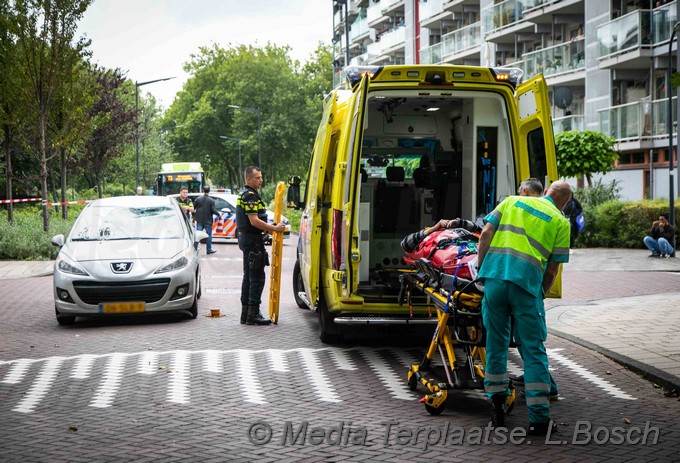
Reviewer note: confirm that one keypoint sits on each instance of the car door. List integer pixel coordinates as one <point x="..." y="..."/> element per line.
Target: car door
<point x="536" y="142"/>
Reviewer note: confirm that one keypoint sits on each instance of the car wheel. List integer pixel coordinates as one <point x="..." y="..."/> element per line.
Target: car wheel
<point x="298" y="285"/>
<point x="193" y="310"/>
<point x="328" y="330"/>
<point x="200" y="286"/>
<point x="64" y="320"/>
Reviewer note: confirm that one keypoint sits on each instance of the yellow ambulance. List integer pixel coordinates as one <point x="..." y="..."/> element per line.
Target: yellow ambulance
<point x="397" y="149"/>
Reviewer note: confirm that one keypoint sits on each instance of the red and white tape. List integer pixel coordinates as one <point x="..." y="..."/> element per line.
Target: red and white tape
<point x="35" y="200"/>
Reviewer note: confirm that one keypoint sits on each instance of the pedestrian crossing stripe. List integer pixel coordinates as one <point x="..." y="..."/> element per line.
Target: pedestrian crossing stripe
<point x="316" y="364"/>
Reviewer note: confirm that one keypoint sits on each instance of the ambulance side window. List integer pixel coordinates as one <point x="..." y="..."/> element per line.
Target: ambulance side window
<point x="538" y="165"/>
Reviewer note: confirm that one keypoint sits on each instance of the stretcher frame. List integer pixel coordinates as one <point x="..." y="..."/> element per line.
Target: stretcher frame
<point x="459" y="324"/>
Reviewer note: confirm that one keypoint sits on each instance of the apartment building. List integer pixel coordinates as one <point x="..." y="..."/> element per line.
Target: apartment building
<point x="605" y="62"/>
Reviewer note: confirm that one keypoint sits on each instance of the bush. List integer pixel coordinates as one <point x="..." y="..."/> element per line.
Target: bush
<point x="25" y="239"/>
<point x="615" y="224"/>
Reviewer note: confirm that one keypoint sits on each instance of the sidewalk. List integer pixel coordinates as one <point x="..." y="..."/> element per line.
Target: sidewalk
<point x="639" y="332"/>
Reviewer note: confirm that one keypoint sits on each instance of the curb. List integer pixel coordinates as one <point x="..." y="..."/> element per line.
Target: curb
<point x="666" y="380"/>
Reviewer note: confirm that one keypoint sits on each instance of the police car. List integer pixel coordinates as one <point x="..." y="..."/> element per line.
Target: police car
<point x="224" y="226"/>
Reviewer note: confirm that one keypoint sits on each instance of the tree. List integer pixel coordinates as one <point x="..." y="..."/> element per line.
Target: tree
<point x="45" y="32"/>
<point x="584" y="153"/>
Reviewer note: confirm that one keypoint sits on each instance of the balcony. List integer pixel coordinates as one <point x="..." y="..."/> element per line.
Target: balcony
<point x="431" y="54"/>
<point x="638" y="120"/>
<point x="375" y="16"/>
<point x="566" y="123"/>
<point x="503" y="20"/>
<point x="393" y="40"/>
<point x="663" y="19"/>
<point x="542" y="11"/>
<point x="429" y="8"/>
<point x="359" y="27"/>
<point x="461" y="43"/>
<point x="626" y="42"/>
<point x="390" y="6"/>
<point x="361" y="60"/>
<point x="459" y="5"/>
<point x="566" y="57"/>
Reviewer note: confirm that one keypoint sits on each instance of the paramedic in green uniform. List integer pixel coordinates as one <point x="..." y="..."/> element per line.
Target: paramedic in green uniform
<point x="523" y="242"/>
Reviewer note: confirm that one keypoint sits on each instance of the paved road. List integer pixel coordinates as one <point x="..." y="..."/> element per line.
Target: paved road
<point x="167" y="389"/>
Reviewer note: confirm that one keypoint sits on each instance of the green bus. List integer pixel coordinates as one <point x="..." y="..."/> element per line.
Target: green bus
<point x="176" y="175"/>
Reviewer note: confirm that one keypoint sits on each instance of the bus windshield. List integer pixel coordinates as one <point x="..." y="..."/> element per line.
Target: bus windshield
<point x="175" y="176"/>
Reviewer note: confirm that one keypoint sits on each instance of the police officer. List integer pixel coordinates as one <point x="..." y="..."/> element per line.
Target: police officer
<point x="185" y="202"/>
<point x="520" y="248"/>
<point x="251" y="221"/>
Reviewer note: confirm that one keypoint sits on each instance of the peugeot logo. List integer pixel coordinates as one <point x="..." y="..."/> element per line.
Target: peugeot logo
<point x="121" y="267"/>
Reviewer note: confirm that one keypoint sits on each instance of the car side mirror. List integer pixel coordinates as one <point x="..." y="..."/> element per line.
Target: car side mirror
<point x="200" y="236"/>
<point x="226" y="210"/>
<point x="58" y="240"/>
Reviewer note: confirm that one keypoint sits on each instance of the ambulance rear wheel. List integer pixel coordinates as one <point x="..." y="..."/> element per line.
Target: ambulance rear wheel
<point x="298" y="286"/>
<point x="328" y="330"/>
<point x="433" y="410"/>
<point x="413" y="382"/>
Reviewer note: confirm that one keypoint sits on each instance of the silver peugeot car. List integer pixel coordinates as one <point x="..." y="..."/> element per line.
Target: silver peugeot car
<point x="128" y="255"/>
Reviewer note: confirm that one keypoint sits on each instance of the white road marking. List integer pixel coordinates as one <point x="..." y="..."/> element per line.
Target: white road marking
<point x="277" y="360"/>
<point x="317" y="377"/>
<point x="113" y="375"/>
<point x="178" y="387"/>
<point x="316" y="364"/>
<point x="396" y="384"/>
<point x="247" y="377"/>
<point x="342" y="359"/>
<point x="41" y="386"/>
<point x="589" y="375"/>
<point x="18" y="371"/>
<point x="213" y="361"/>
<point x="83" y="366"/>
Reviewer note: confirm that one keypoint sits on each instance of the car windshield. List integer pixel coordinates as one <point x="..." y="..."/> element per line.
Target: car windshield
<point x="103" y="222"/>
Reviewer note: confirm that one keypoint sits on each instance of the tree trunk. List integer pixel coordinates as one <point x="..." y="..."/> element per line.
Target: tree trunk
<point x="64" y="207"/>
<point x="8" y="171"/>
<point x="43" y="171"/>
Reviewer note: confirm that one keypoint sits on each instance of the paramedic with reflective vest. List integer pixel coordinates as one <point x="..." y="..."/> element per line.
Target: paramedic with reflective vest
<point x="523" y="242"/>
<point x="251" y="221"/>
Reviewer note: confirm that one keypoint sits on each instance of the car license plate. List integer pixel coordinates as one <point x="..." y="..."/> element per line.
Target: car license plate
<point x="121" y="307"/>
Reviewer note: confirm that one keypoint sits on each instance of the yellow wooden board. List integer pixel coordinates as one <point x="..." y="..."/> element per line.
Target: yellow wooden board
<point x="277" y="250"/>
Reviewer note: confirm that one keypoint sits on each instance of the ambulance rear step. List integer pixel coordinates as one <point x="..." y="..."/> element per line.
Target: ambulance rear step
<point x="384" y="321"/>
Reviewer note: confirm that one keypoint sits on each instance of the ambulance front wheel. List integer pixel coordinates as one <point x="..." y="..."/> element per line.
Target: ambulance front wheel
<point x="298" y="285"/>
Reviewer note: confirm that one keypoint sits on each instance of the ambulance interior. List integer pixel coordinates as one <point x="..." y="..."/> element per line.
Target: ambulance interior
<point x="426" y="156"/>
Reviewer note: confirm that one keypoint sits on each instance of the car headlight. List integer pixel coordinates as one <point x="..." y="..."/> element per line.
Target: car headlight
<point x="67" y="266"/>
<point x="176" y="264"/>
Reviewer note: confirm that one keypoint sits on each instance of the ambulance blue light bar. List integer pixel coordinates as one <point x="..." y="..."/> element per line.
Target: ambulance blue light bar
<point x="355" y="73"/>
<point x="513" y="76"/>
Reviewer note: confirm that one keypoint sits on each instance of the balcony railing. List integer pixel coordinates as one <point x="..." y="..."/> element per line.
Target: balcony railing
<point x="628" y="32"/>
<point x="392" y="38"/>
<point x="565" y="57"/>
<point x="501" y="15"/>
<point x="373" y="11"/>
<point x="431" y="54"/>
<point x="385" y="4"/>
<point x="462" y="39"/>
<point x="663" y="20"/>
<point x="359" y="26"/>
<point x="429" y="8"/>
<point x="566" y="123"/>
<point x="360" y="60"/>
<point x="531" y="4"/>
<point x="641" y="119"/>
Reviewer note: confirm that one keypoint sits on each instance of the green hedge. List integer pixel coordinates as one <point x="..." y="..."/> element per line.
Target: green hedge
<point x="24" y="239"/>
<point x="616" y="224"/>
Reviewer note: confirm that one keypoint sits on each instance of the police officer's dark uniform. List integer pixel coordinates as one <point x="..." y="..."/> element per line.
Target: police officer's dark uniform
<point x="255" y="258"/>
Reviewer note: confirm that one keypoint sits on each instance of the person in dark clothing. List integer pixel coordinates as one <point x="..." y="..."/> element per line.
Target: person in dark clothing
<point x="661" y="238"/>
<point x="251" y="222"/>
<point x="572" y="211"/>
<point x="203" y="216"/>
<point x="185" y="202"/>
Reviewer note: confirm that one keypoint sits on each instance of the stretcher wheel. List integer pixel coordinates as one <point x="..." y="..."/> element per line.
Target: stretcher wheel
<point x="433" y="410"/>
<point x="413" y="382"/>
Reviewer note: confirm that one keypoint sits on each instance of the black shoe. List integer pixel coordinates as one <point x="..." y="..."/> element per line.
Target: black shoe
<point x="255" y="317"/>
<point x="212" y="252"/>
<point x="498" y="417"/>
<point x="517" y="380"/>
<point x="654" y="254"/>
<point x="244" y="314"/>
<point x="554" y="396"/>
<point x="542" y="429"/>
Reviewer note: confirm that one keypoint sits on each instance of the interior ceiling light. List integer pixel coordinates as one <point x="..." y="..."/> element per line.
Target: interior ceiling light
<point x="433" y="109"/>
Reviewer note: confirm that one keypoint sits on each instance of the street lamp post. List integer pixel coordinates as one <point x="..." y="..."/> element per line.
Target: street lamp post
<point x="669" y="120"/>
<point x="137" y="85"/>
<point x="252" y="110"/>
<point x="240" y="168"/>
